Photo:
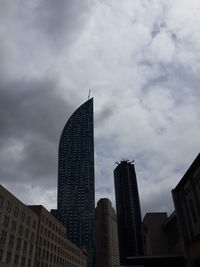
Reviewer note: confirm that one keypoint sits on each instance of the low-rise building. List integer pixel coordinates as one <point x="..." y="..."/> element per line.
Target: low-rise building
<point x="154" y="236"/>
<point x="31" y="237"/>
<point x="18" y="232"/>
<point x="53" y="247"/>
<point x="174" y="241"/>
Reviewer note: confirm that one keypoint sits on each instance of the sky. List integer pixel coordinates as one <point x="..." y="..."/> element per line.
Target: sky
<point x="140" y="58"/>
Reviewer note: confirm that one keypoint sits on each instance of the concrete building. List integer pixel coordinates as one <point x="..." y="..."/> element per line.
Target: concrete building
<point x="128" y="211"/>
<point x="18" y="232"/>
<point x="155" y="239"/>
<point x="76" y="205"/>
<point x="107" y="249"/>
<point x="186" y="196"/>
<point x="161" y="235"/>
<point x="53" y="247"/>
<point x="174" y="241"/>
<point x="31" y="237"/>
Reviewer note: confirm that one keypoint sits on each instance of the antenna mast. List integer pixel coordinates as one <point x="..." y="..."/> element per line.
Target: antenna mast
<point x="89" y="94"/>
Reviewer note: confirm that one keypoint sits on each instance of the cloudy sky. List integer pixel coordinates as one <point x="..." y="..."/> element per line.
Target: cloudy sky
<point x="141" y="58"/>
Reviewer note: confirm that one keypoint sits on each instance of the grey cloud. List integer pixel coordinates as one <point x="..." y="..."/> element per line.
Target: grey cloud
<point x="103" y="189"/>
<point x="61" y="19"/>
<point x="158" y="202"/>
<point x="104" y="114"/>
<point x="32" y="115"/>
<point x="46" y="45"/>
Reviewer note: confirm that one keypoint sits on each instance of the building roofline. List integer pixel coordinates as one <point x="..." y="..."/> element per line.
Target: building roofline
<point x="193" y="166"/>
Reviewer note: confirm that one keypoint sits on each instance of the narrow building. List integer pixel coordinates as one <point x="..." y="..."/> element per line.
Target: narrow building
<point x="128" y="211"/>
<point x="107" y="250"/>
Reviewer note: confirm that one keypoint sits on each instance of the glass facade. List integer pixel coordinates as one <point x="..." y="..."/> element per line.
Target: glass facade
<point x="76" y="204"/>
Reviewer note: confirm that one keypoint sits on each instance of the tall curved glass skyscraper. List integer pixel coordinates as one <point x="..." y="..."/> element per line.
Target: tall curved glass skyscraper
<point x="76" y="204"/>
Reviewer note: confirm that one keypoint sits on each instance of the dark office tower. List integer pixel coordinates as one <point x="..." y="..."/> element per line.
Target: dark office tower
<point x="128" y="211"/>
<point x="76" y="207"/>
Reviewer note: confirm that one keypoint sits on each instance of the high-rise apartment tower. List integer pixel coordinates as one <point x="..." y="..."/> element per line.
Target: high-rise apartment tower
<point x="76" y="206"/>
<point x="128" y="211"/>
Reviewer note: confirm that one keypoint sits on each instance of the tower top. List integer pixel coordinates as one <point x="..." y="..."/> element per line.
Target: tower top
<point x="89" y="93"/>
<point x="124" y="160"/>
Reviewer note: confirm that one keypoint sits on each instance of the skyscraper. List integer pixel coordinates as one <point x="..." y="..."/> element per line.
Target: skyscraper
<point x="107" y="248"/>
<point x="76" y="207"/>
<point x="128" y="211"/>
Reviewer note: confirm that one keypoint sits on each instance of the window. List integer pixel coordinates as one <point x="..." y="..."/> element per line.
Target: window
<point x="39" y="252"/>
<point x="11" y="241"/>
<point x="3" y="237"/>
<point x="47" y="255"/>
<point x="43" y="253"/>
<point x="28" y="220"/>
<point x="16" y="212"/>
<point x="1" y="201"/>
<point x="32" y="237"/>
<point x="8" y="257"/>
<point x="20" y="232"/>
<point x="9" y="206"/>
<point x="6" y="221"/>
<point x="16" y="259"/>
<point x="14" y="225"/>
<point x="31" y="249"/>
<point x="23" y="216"/>
<point x="23" y="262"/>
<point x="27" y="233"/>
<point x="29" y="262"/>
<point x="25" y="246"/>
<point x="34" y="224"/>
<point x="18" y="243"/>
<point x="1" y="254"/>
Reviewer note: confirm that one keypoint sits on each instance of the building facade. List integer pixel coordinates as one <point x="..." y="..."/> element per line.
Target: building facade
<point x="161" y="235"/>
<point x="186" y="196"/>
<point x="53" y="247"/>
<point x="128" y="211"/>
<point x="18" y="232"/>
<point x="31" y="237"/>
<point x="107" y="248"/>
<point x="76" y="206"/>
<point x="155" y="239"/>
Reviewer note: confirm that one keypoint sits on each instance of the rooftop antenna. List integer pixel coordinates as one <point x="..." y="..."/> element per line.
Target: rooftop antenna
<point x="89" y="94"/>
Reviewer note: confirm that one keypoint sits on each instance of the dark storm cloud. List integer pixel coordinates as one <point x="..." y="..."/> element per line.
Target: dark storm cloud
<point x="32" y="115"/>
